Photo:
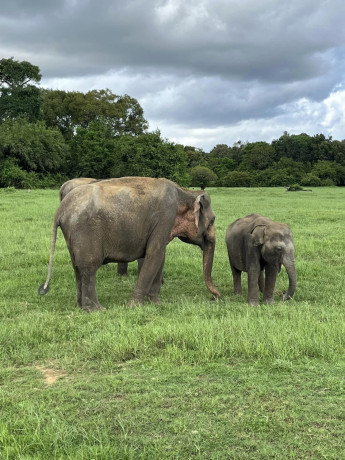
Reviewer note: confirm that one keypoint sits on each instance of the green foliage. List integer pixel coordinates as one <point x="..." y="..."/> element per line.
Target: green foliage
<point x="11" y="175"/>
<point x="35" y="147"/>
<point x="19" y="98"/>
<point x="238" y="179"/>
<point x="294" y="188"/>
<point x="311" y="180"/>
<point x="151" y="156"/>
<point x="106" y="135"/>
<point x="257" y="156"/>
<point x="202" y="177"/>
<point x="95" y="152"/>
<point x="70" y="110"/>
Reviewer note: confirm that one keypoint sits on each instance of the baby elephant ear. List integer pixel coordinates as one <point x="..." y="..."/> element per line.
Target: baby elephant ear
<point x="258" y="234"/>
<point x="198" y="205"/>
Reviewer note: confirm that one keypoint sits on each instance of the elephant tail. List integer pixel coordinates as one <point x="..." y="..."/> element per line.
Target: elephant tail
<point x="44" y="288"/>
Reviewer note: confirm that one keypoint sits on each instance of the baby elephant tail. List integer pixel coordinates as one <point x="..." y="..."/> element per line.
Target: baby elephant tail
<point x="44" y="288"/>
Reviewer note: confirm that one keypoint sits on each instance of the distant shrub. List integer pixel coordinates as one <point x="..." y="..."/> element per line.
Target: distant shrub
<point x="201" y="176"/>
<point x="311" y="180"/>
<point x="294" y="188"/>
<point x="238" y="179"/>
<point x="13" y="176"/>
<point x="327" y="183"/>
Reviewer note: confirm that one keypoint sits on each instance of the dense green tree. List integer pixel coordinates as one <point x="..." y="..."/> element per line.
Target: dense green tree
<point x="257" y="156"/>
<point x="151" y="156"/>
<point x="311" y="180"/>
<point x="92" y="151"/>
<point x="202" y="177"/>
<point x="339" y="151"/>
<point x="96" y="152"/>
<point x="19" y="97"/>
<point x="195" y="155"/>
<point x="221" y="151"/>
<point x="33" y="146"/>
<point x="238" y="179"/>
<point x="70" y="110"/>
<point x="298" y="147"/>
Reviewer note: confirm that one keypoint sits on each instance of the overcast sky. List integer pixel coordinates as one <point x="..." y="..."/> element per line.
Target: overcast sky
<point x="206" y="72"/>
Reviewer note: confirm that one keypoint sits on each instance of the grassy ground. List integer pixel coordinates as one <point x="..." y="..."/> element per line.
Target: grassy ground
<point x="189" y="378"/>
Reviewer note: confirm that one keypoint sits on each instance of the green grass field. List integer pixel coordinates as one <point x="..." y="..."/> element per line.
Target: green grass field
<point x="189" y="378"/>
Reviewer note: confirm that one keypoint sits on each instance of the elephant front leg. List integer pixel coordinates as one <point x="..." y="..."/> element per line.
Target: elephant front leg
<point x="236" y="276"/>
<point x="271" y="274"/>
<point x="153" y="295"/>
<point x="150" y="273"/>
<point x="253" y="287"/>
<point x="89" y="299"/>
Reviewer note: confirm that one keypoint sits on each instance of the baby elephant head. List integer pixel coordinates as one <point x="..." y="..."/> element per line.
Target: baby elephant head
<point x="275" y="243"/>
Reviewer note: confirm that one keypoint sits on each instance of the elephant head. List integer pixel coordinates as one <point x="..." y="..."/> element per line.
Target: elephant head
<point x="194" y="224"/>
<point x="277" y="248"/>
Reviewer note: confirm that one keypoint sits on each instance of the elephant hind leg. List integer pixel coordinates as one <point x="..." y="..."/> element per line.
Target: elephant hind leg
<point x="89" y="299"/>
<point x="262" y="281"/>
<point x="79" y="285"/>
<point x="122" y="269"/>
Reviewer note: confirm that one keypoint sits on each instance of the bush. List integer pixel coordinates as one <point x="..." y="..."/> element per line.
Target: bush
<point x="294" y="188"/>
<point x="327" y="183"/>
<point x="201" y="176"/>
<point x="13" y="176"/>
<point x="311" y="180"/>
<point x="238" y="179"/>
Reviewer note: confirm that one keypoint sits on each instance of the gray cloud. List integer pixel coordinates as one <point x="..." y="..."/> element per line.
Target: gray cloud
<point x="196" y="65"/>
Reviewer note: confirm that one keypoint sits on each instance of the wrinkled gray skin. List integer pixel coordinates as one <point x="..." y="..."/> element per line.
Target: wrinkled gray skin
<point x="126" y="219"/>
<point x="122" y="268"/>
<point x="73" y="183"/>
<point x="259" y="246"/>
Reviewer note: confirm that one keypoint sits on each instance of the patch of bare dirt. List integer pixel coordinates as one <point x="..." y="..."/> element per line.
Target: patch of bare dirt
<point x="50" y="375"/>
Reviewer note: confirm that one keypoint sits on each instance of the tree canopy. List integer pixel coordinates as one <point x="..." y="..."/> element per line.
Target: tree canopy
<point x="48" y="136"/>
<point x="18" y="95"/>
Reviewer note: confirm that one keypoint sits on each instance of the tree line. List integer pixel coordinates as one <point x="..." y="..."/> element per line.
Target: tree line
<point x="48" y="136"/>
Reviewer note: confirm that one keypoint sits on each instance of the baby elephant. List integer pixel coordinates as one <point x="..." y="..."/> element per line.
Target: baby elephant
<point x="256" y="243"/>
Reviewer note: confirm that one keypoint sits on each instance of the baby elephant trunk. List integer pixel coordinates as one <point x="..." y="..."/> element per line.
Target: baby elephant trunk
<point x="289" y="264"/>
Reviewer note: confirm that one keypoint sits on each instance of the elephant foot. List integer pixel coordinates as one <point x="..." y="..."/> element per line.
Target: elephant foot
<point x="134" y="303"/>
<point x="154" y="299"/>
<point x="92" y="307"/>
<point x="269" y="300"/>
<point x="253" y="303"/>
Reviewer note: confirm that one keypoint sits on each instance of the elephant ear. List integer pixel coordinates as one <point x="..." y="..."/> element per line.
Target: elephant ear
<point x="258" y="234"/>
<point x="198" y="207"/>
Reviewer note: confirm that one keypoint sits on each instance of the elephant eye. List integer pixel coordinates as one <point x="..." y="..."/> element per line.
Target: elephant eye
<point x="211" y="222"/>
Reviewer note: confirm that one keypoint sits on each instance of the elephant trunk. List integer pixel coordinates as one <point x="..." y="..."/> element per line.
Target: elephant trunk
<point x="289" y="264"/>
<point x="208" y="253"/>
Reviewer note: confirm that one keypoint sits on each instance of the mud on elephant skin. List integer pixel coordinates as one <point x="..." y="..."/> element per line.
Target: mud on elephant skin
<point x="126" y="219"/>
<point x="122" y="268"/>
<point x="259" y="246"/>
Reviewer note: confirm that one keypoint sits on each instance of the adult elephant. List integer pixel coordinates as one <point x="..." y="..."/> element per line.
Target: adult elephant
<point x="257" y="244"/>
<point x="122" y="268"/>
<point x="125" y="219"/>
<point x="72" y="184"/>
